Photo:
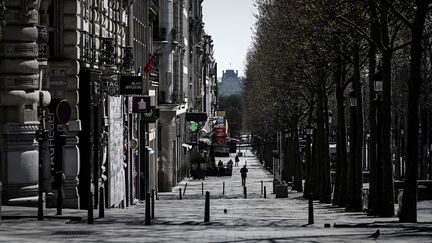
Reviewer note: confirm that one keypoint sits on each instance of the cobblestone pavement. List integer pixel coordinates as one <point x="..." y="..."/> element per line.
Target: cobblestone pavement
<point x="251" y="219"/>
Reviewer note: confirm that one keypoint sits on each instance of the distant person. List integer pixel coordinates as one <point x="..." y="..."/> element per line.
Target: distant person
<point x="243" y="172"/>
<point x="220" y="165"/>
<point x="236" y="160"/>
<point x="230" y="164"/>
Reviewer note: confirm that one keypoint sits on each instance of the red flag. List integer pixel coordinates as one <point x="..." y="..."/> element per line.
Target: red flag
<point x="148" y="67"/>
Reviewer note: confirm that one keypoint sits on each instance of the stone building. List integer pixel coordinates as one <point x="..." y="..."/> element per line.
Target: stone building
<point x="77" y="54"/>
<point x="231" y="83"/>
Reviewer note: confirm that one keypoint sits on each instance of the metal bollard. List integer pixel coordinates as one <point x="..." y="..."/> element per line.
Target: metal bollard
<point x="207" y="207"/>
<point x="180" y="194"/>
<point x="1" y="189"/>
<point x="310" y="210"/>
<point x="101" y="202"/>
<point x="223" y="188"/>
<point x="147" y="209"/>
<point x="184" y="191"/>
<point x="265" y="192"/>
<point x="90" y="218"/>
<point x="202" y="188"/>
<point x="245" y="192"/>
<point x="59" y="175"/>
<point x="152" y="203"/>
<point x="262" y="187"/>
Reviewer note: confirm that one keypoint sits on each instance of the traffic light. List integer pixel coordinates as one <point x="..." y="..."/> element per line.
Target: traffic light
<point x="193" y="127"/>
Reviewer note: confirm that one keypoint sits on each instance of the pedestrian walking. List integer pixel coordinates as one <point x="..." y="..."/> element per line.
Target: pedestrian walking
<point x="236" y="160"/>
<point x="243" y="172"/>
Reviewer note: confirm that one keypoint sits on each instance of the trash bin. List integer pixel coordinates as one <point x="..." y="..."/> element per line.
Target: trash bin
<point x="281" y="190"/>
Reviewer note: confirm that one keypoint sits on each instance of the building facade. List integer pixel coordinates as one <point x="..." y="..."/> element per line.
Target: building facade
<point x="70" y="59"/>
<point x="231" y="83"/>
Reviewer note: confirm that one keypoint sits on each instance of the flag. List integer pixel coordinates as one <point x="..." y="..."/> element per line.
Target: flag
<point x="148" y="67"/>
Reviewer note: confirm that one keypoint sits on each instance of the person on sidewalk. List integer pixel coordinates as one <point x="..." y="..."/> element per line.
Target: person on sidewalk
<point x="230" y="164"/>
<point x="236" y="160"/>
<point x="243" y="172"/>
<point x="220" y="165"/>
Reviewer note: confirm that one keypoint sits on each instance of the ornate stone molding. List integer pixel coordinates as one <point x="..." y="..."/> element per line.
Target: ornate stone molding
<point x="21" y="128"/>
<point x="2" y="19"/>
<point x="108" y="51"/>
<point x="19" y="50"/>
<point x="16" y="16"/>
<point x="42" y="42"/>
<point x="128" y="58"/>
<point x="20" y="82"/>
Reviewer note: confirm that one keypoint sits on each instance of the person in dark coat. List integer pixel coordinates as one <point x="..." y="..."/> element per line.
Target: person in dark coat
<point x="236" y="160"/>
<point x="243" y="172"/>
<point x="220" y="165"/>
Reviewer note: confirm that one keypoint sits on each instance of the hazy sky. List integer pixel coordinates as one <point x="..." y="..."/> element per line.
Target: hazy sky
<point x="230" y="24"/>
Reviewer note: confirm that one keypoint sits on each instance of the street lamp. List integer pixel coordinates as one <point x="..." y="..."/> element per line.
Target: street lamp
<point x="353" y="99"/>
<point x="378" y="85"/>
<point x="309" y="130"/>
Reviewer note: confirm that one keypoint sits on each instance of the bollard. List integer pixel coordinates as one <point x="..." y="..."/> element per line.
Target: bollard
<point x="262" y="187"/>
<point x="152" y="203"/>
<point x="310" y="209"/>
<point x="202" y="188"/>
<point x="147" y="209"/>
<point x="1" y="189"/>
<point x="265" y="192"/>
<point x="223" y="188"/>
<point x="207" y="207"/>
<point x="101" y="202"/>
<point x="184" y="191"/>
<point x="59" y="175"/>
<point x="180" y="194"/>
<point x="90" y="218"/>
<point x="245" y="192"/>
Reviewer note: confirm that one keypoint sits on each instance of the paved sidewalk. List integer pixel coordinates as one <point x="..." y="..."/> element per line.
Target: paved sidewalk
<point x="255" y="219"/>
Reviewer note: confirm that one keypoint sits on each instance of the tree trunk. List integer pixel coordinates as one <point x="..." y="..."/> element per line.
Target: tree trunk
<point x="374" y="194"/>
<point x="358" y="183"/>
<point x="387" y="190"/>
<point x="297" y="183"/>
<point x="387" y="209"/>
<point x="323" y="146"/>
<point x="409" y="199"/>
<point x="356" y="139"/>
<point x="337" y="196"/>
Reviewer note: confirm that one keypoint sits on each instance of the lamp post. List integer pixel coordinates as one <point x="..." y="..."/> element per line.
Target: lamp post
<point x="40" y="135"/>
<point x="367" y="151"/>
<point x="308" y="186"/>
<point x="330" y="124"/>
<point x="402" y="146"/>
<point x="378" y="88"/>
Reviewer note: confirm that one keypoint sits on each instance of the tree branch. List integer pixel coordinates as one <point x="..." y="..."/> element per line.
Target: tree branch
<point x="397" y="48"/>
<point x="402" y="17"/>
<point x="357" y="28"/>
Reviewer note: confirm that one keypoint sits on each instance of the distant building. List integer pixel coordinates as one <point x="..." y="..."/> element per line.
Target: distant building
<point x="231" y="84"/>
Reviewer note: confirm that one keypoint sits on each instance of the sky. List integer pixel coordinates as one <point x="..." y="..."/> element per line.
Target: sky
<point x="230" y="23"/>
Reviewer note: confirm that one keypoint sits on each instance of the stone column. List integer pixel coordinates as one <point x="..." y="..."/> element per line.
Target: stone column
<point x="166" y="60"/>
<point x="19" y="94"/>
